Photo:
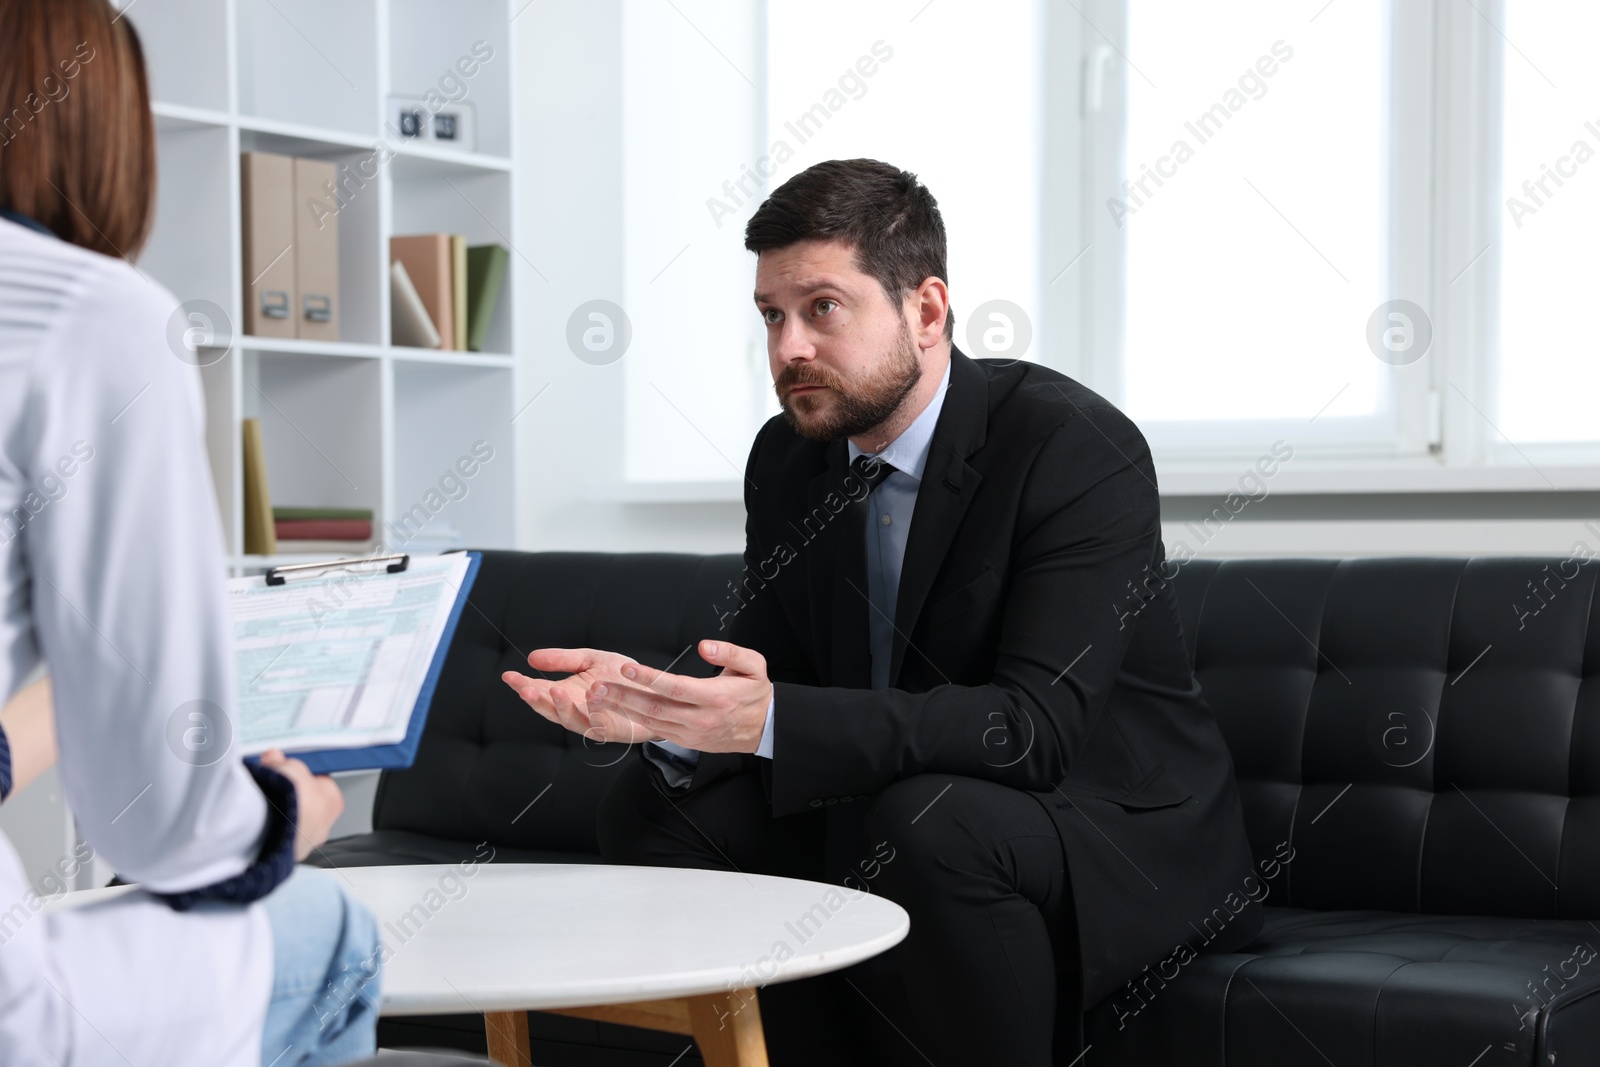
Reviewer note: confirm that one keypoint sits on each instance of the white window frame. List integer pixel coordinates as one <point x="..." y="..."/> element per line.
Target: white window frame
<point x="1445" y="63"/>
<point x="1447" y="210"/>
<point x="1470" y="219"/>
<point x="1403" y="427"/>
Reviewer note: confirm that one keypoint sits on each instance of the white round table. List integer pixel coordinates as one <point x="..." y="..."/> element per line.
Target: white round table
<point x="665" y="948"/>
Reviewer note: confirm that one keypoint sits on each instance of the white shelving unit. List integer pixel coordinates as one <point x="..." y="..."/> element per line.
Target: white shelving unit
<point x="358" y="422"/>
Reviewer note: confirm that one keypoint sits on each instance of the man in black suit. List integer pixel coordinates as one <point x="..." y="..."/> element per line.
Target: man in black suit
<point x="953" y="672"/>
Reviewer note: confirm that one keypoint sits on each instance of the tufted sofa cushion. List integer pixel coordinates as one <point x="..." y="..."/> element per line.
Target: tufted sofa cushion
<point x="1372" y="988"/>
<point x="1426" y="733"/>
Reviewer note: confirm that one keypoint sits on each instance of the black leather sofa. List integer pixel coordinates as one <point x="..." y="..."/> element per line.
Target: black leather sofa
<point x="1418" y="748"/>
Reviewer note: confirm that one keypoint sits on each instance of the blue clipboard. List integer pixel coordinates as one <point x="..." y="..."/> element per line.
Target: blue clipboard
<point x="402" y="754"/>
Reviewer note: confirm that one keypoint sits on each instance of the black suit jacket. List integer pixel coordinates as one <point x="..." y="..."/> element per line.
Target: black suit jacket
<point x="1037" y="645"/>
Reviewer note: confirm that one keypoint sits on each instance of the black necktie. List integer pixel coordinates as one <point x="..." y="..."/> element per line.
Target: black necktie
<point x="871" y="469"/>
<point x="851" y="659"/>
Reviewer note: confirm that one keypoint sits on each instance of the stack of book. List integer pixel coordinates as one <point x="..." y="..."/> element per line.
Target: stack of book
<point x="442" y="292"/>
<point x="341" y="531"/>
<point x="269" y="530"/>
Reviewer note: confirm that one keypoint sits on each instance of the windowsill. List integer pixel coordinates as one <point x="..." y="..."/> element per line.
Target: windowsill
<point x="728" y="491"/>
<point x="1303" y="477"/>
<point x="1336" y="478"/>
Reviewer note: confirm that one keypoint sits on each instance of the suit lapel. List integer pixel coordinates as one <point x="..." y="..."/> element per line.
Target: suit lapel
<point x="948" y="485"/>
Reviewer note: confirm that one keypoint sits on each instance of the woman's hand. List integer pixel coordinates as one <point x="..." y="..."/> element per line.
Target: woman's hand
<point x="29" y="720"/>
<point x="318" y="796"/>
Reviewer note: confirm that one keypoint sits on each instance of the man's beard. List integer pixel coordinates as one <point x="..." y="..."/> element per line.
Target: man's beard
<point x="856" y="408"/>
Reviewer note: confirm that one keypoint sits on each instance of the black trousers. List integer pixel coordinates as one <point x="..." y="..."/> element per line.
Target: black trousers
<point x="989" y="972"/>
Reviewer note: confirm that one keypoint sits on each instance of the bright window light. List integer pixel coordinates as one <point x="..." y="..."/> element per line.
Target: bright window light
<point x="1548" y="371"/>
<point x="1255" y="214"/>
<point x="955" y="98"/>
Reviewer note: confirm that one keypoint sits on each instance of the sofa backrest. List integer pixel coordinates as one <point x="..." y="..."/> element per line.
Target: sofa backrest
<point x="486" y="756"/>
<point x="1425" y="732"/>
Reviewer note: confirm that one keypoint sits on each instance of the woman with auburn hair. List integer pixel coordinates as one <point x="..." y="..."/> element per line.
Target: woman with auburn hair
<point x="111" y="574"/>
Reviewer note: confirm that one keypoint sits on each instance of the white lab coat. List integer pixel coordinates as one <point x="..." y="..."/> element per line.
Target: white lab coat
<point x="111" y="570"/>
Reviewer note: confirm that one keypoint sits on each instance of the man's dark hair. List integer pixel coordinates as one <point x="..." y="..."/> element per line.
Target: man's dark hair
<point x="883" y="212"/>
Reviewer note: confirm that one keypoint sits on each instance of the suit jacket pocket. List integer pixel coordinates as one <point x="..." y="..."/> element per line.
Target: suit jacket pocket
<point x="963" y="600"/>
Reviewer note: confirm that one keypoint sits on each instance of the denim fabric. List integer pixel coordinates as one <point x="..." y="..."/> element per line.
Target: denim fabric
<point x="327" y="974"/>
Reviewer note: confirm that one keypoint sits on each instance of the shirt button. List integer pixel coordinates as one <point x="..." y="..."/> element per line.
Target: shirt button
<point x="886" y="519"/>
<point x="816" y="803"/>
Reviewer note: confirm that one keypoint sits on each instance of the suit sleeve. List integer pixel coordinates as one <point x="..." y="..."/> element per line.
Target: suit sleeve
<point x="751" y="618"/>
<point x="1088" y="525"/>
<point x="760" y="621"/>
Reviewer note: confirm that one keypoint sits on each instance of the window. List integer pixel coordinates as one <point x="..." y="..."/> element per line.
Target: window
<point x="1547" y="364"/>
<point x="1245" y="165"/>
<point x="721" y="111"/>
<point x="1364" y="227"/>
<point x="1253" y="265"/>
<point x="956" y="99"/>
<point x="1436" y="154"/>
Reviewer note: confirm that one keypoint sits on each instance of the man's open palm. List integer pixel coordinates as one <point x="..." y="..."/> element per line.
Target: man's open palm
<point x="609" y="697"/>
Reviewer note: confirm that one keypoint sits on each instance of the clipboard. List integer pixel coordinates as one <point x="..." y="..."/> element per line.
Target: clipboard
<point x="400" y="754"/>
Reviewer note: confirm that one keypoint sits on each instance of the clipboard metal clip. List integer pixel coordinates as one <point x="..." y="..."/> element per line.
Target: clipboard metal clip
<point x="392" y="564"/>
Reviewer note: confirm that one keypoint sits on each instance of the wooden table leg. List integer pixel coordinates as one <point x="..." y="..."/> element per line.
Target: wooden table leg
<point x="507" y="1032"/>
<point x="727" y="1027"/>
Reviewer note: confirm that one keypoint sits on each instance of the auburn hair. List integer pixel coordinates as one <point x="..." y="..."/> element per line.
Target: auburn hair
<point x="77" y="143"/>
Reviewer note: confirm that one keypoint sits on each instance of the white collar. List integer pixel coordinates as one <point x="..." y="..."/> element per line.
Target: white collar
<point x="909" y="452"/>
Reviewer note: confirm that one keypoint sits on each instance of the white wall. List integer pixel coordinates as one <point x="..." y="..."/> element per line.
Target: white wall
<point x="570" y="216"/>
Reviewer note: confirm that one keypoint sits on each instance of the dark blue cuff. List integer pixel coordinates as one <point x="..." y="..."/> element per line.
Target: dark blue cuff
<point x="276" y="861"/>
<point x="5" y="765"/>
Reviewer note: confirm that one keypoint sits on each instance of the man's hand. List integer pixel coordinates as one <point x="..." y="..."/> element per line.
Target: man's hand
<point x="610" y="697"/>
<point x="317" y="797"/>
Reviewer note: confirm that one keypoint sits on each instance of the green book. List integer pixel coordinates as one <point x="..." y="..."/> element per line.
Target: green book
<point x="486" y="275"/>
<point x="320" y="514"/>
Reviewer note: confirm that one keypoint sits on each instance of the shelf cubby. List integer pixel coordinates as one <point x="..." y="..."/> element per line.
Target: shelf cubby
<point x="356" y="207"/>
<point x="430" y="198"/>
<point x="447" y="418"/>
<point x="188" y="52"/>
<point x="321" y="427"/>
<point x="431" y="52"/>
<point x="310" y="62"/>
<point x="194" y="206"/>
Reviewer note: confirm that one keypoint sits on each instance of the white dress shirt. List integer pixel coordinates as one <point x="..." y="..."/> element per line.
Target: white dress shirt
<point x="889" y="511"/>
<point x="111" y="570"/>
